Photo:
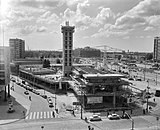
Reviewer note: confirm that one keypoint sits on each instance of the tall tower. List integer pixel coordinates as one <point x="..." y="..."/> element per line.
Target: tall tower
<point x="156" y="52"/>
<point x="67" y="48"/>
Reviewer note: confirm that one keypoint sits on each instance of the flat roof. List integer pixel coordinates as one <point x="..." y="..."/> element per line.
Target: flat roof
<point x="102" y="75"/>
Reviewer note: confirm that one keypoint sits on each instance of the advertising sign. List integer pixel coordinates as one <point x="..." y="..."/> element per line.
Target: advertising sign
<point x="91" y="100"/>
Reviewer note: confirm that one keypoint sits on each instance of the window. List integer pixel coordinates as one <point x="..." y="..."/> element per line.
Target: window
<point x="70" y="38"/>
<point x="66" y="33"/>
<point x="1" y="66"/>
<point x="66" y="38"/>
<point x="70" y="34"/>
<point x="70" y="47"/>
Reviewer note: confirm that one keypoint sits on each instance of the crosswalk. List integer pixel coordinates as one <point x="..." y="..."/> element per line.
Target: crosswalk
<point x="39" y="115"/>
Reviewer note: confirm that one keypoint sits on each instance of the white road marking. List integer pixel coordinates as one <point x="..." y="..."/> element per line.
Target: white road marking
<point x="47" y="114"/>
<point x="44" y="114"/>
<point x="30" y="116"/>
<point x="34" y="115"/>
<point x="37" y="115"/>
<point x="41" y="115"/>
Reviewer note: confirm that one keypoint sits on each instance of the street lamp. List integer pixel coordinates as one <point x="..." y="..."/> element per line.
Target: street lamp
<point x="147" y="95"/>
<point x="132" y="120"/>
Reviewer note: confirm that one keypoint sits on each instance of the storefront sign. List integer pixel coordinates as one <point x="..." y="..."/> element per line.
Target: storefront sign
<point x="91" y="100"/>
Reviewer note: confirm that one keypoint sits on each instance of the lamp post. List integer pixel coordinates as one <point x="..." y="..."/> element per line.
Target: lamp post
<point x="147" y="95"/>
<point x="132" y="121"/>
<point x="156" y="78"/>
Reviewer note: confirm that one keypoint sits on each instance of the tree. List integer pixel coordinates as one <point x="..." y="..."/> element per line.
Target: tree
<point x="46" y="63"/>
<point x="58" y="61"/>
<point x="149" y="56"/>
<point x="119" y="57"/>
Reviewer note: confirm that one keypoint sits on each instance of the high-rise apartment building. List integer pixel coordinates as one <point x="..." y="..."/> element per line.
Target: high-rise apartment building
<point x="67" y="48"/>
<point x="17" y="48"/>
<point x="156" y="52"/>
<point x="4" y="69"/>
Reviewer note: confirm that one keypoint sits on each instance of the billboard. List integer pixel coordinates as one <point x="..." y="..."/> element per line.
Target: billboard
<point x="91" y="100"/>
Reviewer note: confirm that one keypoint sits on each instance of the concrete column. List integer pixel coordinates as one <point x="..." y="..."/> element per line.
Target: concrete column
<point x="114" y="96"/>
<point x="9" y="90"/>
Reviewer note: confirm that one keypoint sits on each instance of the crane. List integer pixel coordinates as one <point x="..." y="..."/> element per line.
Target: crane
<point x="107" y="48"/>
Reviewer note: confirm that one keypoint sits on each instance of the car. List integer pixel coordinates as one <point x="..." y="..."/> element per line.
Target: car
<point x="51" y="104"/>
<point x="10" y="110"/>
<point x="113" y="116"/>
<point x="95" y="118"/>
<point x="26" y="92"/>
<point x="36" y="92"/>
<point x="44" y="96"/>
<point x="130" y="79"/>
<point x="13" y="80"/>
<point x="138" y="79"/>
<point x="49" y="99"/>
<point x="18" y="83"/>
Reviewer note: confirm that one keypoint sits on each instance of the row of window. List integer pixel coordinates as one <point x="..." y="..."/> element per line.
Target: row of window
<point x="2" y="81"/>
<point x="68" y="33"/>
<point x="66" y="38"/>
<point x="2" y="74"/>
<point x="1" y="66"/>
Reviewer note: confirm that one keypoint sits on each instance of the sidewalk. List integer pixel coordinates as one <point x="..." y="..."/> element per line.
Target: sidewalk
<point x="20" y="104"/>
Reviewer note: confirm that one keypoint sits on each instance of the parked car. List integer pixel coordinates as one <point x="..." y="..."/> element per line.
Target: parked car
<point x="138" y="79"/>
<point x="13" y="80"/>
<point x="43" y="95"/>
<point x="50" y="104"/>
<point x="18" y="83"/>
<point x="26" y="92"/>
<point x="49" y="99"/>
<point x="113" y="116"/>
<point x="130" y="78"/>
<point x="95" y="118"/>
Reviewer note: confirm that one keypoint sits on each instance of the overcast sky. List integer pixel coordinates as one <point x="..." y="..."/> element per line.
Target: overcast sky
<point x="124" y="24"/>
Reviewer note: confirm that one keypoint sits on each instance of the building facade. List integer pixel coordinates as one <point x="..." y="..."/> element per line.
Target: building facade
<point x="4" y="70"/>
<point x="156" y="51"/>
<point x="67" y="48"/>
<point x="17" y="49"/>
<point x="87" y="52"/>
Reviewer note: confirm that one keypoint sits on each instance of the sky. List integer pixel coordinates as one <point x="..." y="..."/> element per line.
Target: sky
<point x="122" y="24"/>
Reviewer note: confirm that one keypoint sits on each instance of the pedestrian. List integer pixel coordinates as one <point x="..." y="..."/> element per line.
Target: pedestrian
<point x="30" y="98"/>
<point x="144" y="111"/>
<point x="53" y="114"/>
<point x="107" y="114"/>
<point x="154" y="99"/>
<point x="23" y="114"/>
<point x="131" y="111"/>
<point x="89" y="127"/>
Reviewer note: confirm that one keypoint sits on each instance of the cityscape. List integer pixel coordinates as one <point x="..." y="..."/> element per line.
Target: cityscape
<point x="80" y="65"/>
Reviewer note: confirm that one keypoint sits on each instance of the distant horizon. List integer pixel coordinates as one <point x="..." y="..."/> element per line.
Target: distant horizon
<point x="122" y="24"/>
